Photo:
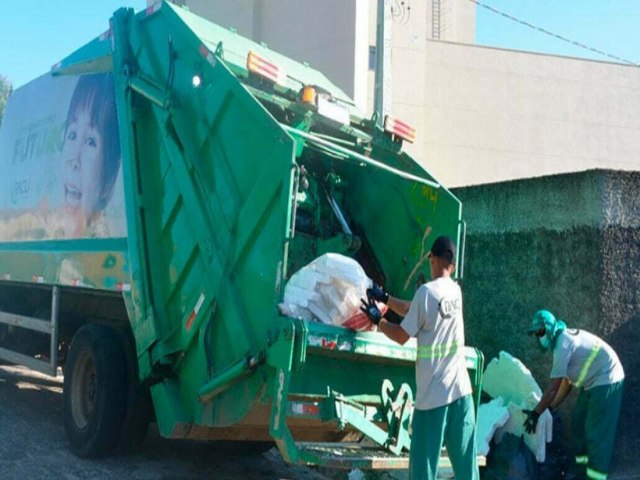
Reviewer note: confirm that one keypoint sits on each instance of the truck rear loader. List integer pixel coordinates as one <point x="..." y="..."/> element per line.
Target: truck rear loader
<point x="159" y="187"/>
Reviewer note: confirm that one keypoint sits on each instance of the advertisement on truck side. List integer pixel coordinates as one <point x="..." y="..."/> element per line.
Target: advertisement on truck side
<point x="60" y="161"/>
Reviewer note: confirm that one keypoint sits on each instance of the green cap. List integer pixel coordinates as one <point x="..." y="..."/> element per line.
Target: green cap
<point x="542" y="319"/>
<point x="552" y="327"/>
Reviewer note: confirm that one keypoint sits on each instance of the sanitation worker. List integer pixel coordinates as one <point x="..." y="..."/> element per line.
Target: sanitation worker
<point x="583" y="361"/>
<point x="443" y="409"/>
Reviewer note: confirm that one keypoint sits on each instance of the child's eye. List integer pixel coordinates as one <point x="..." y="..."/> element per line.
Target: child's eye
<point x="91" y="141"/>
<point x="71" y="135"/>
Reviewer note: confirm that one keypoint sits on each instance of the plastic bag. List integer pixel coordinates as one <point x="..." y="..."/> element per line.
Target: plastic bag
<point x="511" y="459"/>
<point x="329" y="290"/>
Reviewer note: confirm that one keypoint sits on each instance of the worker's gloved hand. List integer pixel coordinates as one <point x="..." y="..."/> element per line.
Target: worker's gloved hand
<point x="377" y="293"/>
<point x="532" y="420"/>
<point x="371" y="309"/>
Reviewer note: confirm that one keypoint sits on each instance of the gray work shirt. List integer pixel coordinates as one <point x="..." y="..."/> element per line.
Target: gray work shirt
<point x="435" y="318"/>
<point x="586" y="360"/>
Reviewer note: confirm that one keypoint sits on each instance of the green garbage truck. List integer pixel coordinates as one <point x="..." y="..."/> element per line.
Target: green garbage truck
<point x="160" y="186"/>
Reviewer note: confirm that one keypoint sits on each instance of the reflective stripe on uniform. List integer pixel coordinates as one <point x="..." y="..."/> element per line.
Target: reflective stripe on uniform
<point x="438" y="350"/>
<point x="595" y="474"/>
<point x="587" y="364"/>
<point x="582" y="460"/>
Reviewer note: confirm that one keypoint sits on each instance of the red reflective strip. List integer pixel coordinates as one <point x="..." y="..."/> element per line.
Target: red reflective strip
<point x="407" y="135"/>
<point x="393" y="124"/>
<point x="400" y="128"/>
<point x="195" y="311"/>
<point x="267" y="69"/>
<point x="310" y="409"/>
<point x="190" y="320"/>
<point x="265" y="65"/>
<point x="404" y="130"/>
<point x="401" y="124"/>
<point x="262" y="66"/>
<point x="204" y="51"/>
<point x="330" y="344"/>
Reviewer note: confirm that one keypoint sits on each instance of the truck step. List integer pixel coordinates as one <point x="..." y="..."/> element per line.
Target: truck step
<point x="355" y="455"/>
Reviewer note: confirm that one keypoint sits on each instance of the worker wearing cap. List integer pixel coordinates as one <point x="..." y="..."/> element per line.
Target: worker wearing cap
<point x="584" y="361"/>
<point x="443" y="409"/>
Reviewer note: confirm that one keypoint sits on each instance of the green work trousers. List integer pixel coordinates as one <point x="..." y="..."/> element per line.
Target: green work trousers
<point x="453" y="425"/>
<point x="595" y="420"/>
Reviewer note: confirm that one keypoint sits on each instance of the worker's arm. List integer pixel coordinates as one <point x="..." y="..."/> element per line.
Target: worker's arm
<point x="563" y="391"/>
<point x="549" y="395"/>
<point x="547" y="398"/>
<point x="401" y="307"/>
<point x="393" y="331"/>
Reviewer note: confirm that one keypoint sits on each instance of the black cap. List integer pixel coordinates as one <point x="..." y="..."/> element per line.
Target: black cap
<point x="444" y="247"/>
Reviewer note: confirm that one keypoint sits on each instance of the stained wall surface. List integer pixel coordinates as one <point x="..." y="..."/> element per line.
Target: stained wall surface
<point x="569" y="243"/>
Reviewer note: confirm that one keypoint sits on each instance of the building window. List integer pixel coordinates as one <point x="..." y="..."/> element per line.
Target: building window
<point x="372" y="58"/>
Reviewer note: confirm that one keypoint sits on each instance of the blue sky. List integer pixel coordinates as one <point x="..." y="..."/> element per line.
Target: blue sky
<point x="612" y="26"/>
<point x="35" y="34"/>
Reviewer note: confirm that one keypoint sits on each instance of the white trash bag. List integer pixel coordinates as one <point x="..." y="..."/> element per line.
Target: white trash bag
<point x="329" y="290"/>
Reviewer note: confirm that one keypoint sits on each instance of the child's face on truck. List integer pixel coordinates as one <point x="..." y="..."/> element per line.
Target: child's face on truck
<point x="82" y="174"/>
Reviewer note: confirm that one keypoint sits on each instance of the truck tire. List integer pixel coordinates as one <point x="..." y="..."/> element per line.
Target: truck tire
<point x="94" y="395"/>
<point x="139" y="416"/>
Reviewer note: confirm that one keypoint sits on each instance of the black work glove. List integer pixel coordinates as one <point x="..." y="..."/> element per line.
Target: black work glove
<point x="377" y="293"/>
<point x="532" y="420"/>
<point x="371" y="309"/>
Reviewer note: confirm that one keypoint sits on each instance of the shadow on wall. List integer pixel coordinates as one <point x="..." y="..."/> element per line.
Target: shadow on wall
<point x="511" y="275"/>
<point x="626" y="340"/>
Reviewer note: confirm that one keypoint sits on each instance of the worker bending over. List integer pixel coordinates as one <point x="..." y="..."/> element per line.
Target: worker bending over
<point x="443" y="409"/>
<point x="584" y="361"/>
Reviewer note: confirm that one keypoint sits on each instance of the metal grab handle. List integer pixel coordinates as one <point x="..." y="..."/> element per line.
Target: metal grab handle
<point x="463" y="245"/>
<point x="357" y="156"/>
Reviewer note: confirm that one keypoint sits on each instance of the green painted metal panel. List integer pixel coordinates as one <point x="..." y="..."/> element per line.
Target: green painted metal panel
<point x="208" y="178"/>
<point x="210" y="187"/>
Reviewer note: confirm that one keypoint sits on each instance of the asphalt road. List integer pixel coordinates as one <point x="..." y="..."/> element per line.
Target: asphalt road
<point x="33" y="445"/>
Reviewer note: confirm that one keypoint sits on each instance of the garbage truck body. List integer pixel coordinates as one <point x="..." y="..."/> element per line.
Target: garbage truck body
<point x="160" y="186"/>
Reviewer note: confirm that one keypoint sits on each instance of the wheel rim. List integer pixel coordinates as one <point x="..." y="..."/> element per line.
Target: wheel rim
<point x="83" y="390"/>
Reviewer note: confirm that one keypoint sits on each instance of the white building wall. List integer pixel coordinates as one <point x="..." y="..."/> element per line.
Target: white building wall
<point x="330" y="34"/>
<point x="491" y="115"/>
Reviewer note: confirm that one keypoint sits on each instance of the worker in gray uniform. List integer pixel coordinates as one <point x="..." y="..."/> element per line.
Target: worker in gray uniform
<point x="443" y="409"/>
<point x="586" y="362"/>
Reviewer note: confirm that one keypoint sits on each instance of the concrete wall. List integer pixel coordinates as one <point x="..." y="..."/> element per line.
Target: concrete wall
<point x="330" y="35"/>
<point x="569" y="243"/>
<point x="492" y="115"/>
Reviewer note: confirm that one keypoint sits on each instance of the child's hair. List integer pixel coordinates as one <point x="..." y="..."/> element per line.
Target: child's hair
<point x="95" y="94"/>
